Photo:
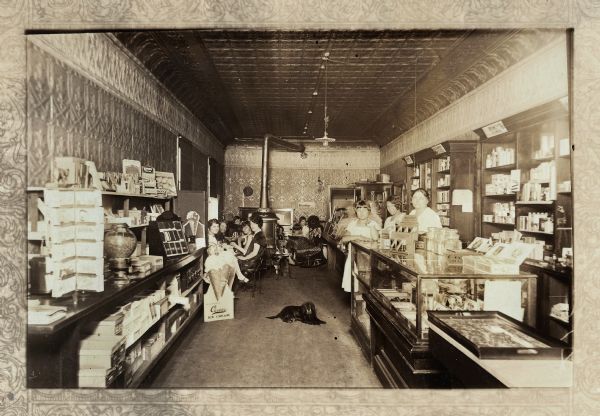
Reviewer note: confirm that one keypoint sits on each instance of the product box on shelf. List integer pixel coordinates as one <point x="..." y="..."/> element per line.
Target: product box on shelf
<point x="162" y="307"/>
<point x="172" y="322"/>
<point x="96" y="351"/>
<point x="99" y="377"/>
<point x="112" y="325"/>
<point x="502" y="258"/>
<point x="155" y="261"/>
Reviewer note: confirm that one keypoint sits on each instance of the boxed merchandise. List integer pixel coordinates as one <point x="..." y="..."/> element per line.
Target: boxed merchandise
<point x="502" y="258"/>
<point x="69" y="171"/>
<point x="110" y="326"/>
<point x="99" y="377"/>
<point x="155" y="261"/>
<point x="101" y="352"/>
<point x="162" y="307"/>
<point x="172" y="322"/>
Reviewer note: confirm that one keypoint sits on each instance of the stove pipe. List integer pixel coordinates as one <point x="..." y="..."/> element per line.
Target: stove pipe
<point x="269" y="218"/>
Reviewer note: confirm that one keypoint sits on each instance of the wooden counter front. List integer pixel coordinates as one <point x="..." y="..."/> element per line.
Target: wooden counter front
<point x="53" y="349"/>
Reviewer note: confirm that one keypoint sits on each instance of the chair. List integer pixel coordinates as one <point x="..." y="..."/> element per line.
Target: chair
<point x="306" y="252"/>
<point x="254" y="271"/>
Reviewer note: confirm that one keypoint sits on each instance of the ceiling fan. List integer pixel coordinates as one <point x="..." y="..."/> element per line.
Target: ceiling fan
<point x="325" y="139"/>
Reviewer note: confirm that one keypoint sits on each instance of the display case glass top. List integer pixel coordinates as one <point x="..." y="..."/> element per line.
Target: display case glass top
<point x="409" y="286"/>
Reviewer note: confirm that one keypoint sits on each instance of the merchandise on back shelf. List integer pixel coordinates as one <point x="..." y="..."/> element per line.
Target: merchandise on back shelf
<point x="74" y="237"/>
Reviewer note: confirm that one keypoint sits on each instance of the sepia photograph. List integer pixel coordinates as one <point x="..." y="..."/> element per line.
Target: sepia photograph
<point x="230" y="209"/>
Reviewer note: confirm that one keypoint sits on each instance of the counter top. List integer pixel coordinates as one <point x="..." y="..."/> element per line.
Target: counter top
<point x="98" y="302"/>
<point x="426" y="263"/>
<point x="519" y="373"/>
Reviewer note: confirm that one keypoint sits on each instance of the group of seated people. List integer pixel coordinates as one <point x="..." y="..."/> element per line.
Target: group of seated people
<point x="228" y="257"/>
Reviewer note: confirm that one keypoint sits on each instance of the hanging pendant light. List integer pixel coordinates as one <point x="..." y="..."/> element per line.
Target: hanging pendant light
<point x="325" y="139"/>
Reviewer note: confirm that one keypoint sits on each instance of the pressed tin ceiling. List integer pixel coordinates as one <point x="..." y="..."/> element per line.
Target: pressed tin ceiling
<point x="244" y="84"/>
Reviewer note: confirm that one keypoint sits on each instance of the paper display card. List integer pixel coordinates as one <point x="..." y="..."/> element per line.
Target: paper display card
<point x="480" y="244"/>
<point x="514" y="252"/>
<point x="132" y="167"/>
<point x="503" y="296"/>
<point x="165" y="182"/>
<point x="494" y="129"/>
<point x="464" y="198"/>
<point x="515" y="180"/>
<point x="69" y="172"/>
<point x="218" y="310"/>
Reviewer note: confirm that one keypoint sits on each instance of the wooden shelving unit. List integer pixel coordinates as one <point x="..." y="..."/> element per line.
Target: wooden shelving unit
<point x="442" y="169"/>
<point x="539" y="178"/>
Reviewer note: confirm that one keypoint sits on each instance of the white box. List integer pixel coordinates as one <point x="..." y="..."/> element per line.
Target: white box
<point x="55" y="198"/>
<point x="94" y="215"/>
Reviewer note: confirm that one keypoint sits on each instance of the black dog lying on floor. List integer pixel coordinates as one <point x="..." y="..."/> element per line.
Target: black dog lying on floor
<point x="306" y="313"/>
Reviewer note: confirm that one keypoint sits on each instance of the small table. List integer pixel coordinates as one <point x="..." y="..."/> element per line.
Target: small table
<point x="279" y="258"/>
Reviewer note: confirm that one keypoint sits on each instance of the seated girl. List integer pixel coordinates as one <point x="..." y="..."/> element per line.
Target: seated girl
<point x="218" y="270"/>
<point x="224" y="249"/>
<point x="243" y="242"/>
<point x="256" y="246"/>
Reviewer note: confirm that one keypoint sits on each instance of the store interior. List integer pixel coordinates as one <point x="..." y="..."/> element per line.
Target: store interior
<point x="397" y="202"/>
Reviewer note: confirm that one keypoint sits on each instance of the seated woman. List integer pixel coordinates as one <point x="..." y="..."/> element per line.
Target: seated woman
<point x="218" y="270"/>
<point x="303" y="226"/>
<point x="244" y="240"/>
<point x="394" y="206"/>
<point x="257" y="245"/>
<point x="224" y="249"/>
<point x="426" y="217"/>
<point x="315" y="229"/>
<point x="362" y="228"/>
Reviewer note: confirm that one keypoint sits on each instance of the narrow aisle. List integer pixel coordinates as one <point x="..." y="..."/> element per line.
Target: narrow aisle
<point x="252" y="351"/>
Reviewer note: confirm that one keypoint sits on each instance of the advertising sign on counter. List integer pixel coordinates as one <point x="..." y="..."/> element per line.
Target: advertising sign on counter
<point x="218" y="310"/>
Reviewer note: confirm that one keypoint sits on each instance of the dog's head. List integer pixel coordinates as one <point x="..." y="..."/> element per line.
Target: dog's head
<point x="309" y="311"/>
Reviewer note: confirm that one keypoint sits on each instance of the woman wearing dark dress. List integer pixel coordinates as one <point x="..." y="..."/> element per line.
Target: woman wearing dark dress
<point x="257" y="245"/>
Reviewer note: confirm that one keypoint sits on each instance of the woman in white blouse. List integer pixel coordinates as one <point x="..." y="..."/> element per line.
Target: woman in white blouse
<point x="426" y="217"/>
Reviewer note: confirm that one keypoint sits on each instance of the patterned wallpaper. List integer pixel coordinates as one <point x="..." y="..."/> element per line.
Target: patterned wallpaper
<point x="17" y="16"/>
<point x="293" y="180"/>
<point x="535" y="80"/>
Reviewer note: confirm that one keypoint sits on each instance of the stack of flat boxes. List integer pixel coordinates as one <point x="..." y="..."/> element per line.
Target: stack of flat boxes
<point x="102" y="352"/>
<point x="74" y="235"/>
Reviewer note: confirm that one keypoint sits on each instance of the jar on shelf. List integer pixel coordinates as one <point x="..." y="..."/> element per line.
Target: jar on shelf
<point x="119" y="242"/>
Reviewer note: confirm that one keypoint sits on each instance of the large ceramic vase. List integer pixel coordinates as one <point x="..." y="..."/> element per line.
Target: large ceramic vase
<point x="119" y="242"/>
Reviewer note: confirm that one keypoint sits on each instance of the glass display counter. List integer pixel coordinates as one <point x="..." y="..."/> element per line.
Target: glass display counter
<point x="404" y="288"/>
<point x="360" y="322"/>
<point x="410" y="286"/>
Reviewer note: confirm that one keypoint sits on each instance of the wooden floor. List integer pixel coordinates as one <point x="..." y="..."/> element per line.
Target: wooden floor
<point x="252" y="351"/>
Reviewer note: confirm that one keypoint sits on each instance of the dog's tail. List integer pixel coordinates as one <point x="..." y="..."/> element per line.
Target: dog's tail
<point x="272" y="317"/>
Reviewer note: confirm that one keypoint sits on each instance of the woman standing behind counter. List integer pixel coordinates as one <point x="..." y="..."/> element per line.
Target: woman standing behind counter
<point x="426" y="217"/>
<point x="394" y="208"/>
<point x="360" y="229"/>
